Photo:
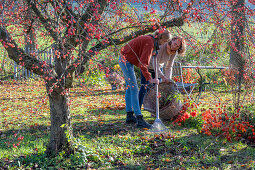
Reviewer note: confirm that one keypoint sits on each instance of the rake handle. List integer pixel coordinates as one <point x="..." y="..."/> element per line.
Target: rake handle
<point x="157" y="94"/>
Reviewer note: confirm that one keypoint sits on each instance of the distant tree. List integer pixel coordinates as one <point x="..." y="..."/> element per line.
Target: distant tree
<point x="237" y="54"/>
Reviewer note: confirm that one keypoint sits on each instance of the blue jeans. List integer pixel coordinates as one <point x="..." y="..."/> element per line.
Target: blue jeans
<point x="131" y="96"/>
<point x="144" y="86"/>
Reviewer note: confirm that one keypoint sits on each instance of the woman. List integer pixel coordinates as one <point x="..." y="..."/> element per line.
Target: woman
<point x="166" y="55"/>
<point x="138" y="53"/>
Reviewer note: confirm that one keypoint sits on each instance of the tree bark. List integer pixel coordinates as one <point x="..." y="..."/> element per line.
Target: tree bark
<point x="237" y="55"/>
<point x="60" y="115"/>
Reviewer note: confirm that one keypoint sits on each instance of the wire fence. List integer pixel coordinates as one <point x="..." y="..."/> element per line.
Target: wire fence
<point x="10" y="68"/>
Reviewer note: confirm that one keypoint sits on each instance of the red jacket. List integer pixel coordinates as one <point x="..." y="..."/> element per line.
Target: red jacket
<point x="138" y="52"/>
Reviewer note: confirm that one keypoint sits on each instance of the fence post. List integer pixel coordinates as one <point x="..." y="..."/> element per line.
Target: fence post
<point x="15" y="71"/>
<point x="22" y="73"/>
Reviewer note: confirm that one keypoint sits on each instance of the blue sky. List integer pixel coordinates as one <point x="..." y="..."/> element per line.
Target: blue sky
<point x="140" y="6"/>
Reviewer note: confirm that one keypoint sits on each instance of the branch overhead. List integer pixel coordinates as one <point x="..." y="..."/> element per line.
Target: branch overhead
<point x="46" y="22"/>
<point x="100" y="46"/>
<point x="20" y="57"/>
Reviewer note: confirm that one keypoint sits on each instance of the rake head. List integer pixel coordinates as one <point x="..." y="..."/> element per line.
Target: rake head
<point x="158" y="127"/>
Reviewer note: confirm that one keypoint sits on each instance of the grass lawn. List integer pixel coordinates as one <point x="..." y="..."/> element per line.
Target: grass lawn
<point x="103" y="140"/>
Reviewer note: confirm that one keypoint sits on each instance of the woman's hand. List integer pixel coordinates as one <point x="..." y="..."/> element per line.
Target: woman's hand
<point x="164" y="79"/>
<point x="155" y="81"/>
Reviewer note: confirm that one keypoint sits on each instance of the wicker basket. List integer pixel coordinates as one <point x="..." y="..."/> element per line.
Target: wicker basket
<point x="169" y="105"/>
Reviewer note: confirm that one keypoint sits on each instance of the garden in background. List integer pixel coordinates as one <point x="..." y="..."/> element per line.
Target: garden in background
<point x="59" y="109"/>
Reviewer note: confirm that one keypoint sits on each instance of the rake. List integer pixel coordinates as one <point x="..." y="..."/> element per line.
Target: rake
<point x="157" y="126"/>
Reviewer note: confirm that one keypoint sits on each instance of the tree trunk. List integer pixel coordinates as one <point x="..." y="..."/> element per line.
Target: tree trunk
<point x="60" y="115"/>
<point x="237" y="55"/>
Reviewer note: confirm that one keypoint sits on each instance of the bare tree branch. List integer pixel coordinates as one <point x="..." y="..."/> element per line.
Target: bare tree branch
<point x="43" y="20"/>
<point x="20" y="57"/>
<point x="85" y="56"/>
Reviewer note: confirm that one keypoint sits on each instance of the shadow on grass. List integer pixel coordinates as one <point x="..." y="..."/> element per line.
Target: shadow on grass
<point x="92" y="129"/>
<point x="37" y="159"/>
<point x="190" y="151"/>
<point x="97" y="93"/>
<point x="24" y="136"/>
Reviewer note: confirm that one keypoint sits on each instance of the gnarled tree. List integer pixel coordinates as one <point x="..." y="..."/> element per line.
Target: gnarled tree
<point x="77" y="30"/>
